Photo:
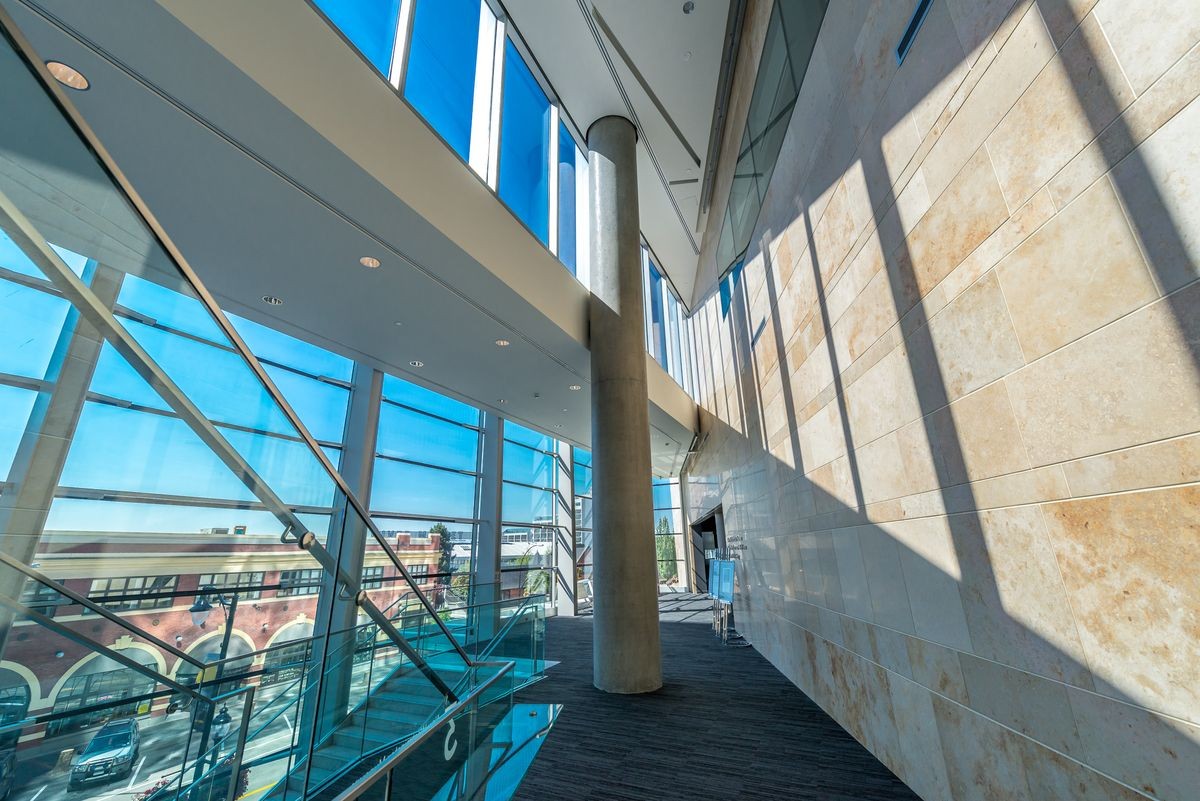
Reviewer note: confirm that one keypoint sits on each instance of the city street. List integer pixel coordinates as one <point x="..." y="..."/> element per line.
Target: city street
<point x="40" y="776"/>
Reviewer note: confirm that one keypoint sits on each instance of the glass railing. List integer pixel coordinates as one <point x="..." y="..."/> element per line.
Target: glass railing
<point x="119" y="727"/>
<point x="448" y="741"/>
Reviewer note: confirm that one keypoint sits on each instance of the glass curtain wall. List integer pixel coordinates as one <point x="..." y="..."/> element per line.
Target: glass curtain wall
<point x="791" y="36"/>
<point x="668" y="332"/>
<point x="532" y="509"/>
<point x="461" y="69"/>
<point x="424" y="491"/>
<point x="442" y="66"/>
<point x="525" y="145"/>
<point x="583" y="525"/>
<point x="669" y="540"/>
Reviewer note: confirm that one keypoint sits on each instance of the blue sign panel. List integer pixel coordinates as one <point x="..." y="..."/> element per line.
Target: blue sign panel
<point x="722" y="580"/>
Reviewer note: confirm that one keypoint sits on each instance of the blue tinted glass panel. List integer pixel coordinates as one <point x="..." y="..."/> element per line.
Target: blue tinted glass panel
<point x="525" y="145"/>
<point x="12" y="258"/>
<point x="15" y="405"/>
<point x="527" y="436"/>
<point x="662" y="496"/>
<point x="528" y="466"/>
<point x="369" y="24"/>
<point x="406" y="434"/>
<point x="116" y="379"/>
<point x="321" y="407"/>
<point x="216" y="380"/>
<point x="169" y="308"/>
<point x="267" y="343"/>
<point x="160" y="454"/>
<point x="401" y="391"/>
<point x="658" y="328"/>
<point x="526" y="504"/>
<point x="582" y="456"/>
<point x="567" y="155"/>
<point x="583" y="479"/>
<point x="440" y="79"/>
<point x="412" y="489"/>
<point x="30" y="324"/>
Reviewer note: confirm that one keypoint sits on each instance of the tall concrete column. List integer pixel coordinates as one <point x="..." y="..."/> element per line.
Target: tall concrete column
<point x="627" y="657"/>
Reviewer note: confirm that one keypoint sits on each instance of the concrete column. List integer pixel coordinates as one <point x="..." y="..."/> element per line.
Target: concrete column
<point x="628" y="658"/>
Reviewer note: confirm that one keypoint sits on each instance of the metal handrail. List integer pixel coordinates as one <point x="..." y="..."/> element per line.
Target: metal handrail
<point x="379" y="771"/>
<point x="90" y="605"/>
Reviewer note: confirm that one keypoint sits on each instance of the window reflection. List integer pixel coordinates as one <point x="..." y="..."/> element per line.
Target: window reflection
<point x="525" y="145"/>
<point x="440" y="80"/>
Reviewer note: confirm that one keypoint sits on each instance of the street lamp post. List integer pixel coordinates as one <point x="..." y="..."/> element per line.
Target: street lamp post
<point x="200" y="611"/>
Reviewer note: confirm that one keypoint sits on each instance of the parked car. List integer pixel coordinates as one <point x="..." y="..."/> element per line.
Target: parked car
<point x="110" y="755"/>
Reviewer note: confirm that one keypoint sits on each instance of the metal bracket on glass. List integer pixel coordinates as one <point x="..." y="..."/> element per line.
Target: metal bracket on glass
<point x="289" y="536"/>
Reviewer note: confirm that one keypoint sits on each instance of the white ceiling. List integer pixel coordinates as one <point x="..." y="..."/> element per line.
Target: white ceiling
<point x="679" y="56"/>
<point x="261" y="202"/>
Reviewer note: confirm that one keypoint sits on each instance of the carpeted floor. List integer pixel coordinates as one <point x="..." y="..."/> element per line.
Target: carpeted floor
<point x="726" y="725"/>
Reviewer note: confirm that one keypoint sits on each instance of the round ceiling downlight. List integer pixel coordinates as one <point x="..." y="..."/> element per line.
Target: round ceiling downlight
<point x="369" y="262"/>
<point x="68" y="76"/>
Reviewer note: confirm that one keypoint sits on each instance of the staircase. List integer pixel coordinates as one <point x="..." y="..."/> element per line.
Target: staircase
<point x="400" y="707"/>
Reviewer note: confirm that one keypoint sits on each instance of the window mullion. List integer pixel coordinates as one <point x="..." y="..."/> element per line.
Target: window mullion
<point x="552" y="182"/>
<point x="399" y="68"/>
<point x="497" y="76"/>
<point x="485" y="95"/>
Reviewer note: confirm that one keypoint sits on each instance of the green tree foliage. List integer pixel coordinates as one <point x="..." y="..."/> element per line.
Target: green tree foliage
<point x="664" y="550"/>
<point x="447" y="548"/>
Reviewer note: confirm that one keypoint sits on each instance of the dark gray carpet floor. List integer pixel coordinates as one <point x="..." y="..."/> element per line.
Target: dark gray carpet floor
<point x="726" y="725"/>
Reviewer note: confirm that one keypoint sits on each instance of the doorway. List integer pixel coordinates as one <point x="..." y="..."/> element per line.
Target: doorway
<point x="708" y="542"/>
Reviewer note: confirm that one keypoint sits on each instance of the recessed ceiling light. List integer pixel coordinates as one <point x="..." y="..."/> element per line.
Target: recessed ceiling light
<point x="574" y="387"/>
<point x="398" y="322"/>
<point x="558" y="425"/>
<point x="689" y="7"/>
<point x="271" y="300"/>
<point x="369" y="261"/>
<point x="503" y="343"/>
<point x="501" y="400"/>
<point x="68" y="76"/>
<point x="415" y="363"/>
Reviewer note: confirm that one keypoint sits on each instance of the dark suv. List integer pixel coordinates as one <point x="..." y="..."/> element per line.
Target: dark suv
<point x="110" y="754"/>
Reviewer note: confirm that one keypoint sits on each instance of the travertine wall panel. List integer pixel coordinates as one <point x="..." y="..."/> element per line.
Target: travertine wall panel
<point x="960" y="461"/>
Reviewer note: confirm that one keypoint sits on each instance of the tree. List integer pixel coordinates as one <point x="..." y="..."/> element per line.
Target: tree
<point x="447" y="557"/>
<point x="664" y="551"/>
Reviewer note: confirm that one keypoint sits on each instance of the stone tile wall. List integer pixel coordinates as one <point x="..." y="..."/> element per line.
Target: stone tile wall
<point x="951" y="413"/>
